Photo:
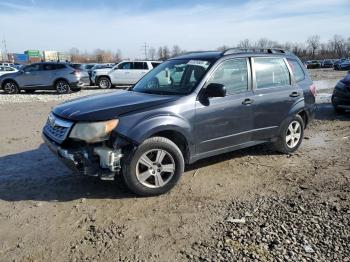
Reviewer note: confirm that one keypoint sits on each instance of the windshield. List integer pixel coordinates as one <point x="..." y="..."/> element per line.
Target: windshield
<point x="174" y="77"/>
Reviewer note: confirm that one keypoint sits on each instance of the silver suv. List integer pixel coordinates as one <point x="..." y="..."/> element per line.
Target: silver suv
<point x="125" y="73"/>
<point x="41" y="76"/>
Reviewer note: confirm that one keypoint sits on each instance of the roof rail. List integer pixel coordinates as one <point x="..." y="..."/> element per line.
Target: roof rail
<point x="195" y="52"/>
<point x="254" y="50"/>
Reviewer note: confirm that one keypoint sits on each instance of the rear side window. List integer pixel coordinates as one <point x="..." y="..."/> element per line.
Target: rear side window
<point x="233" y="74"/>
<point x="155" y="64"/>
<point x="298" y="72"/>
<point x="140" y="65"/>
<point x="271" y="72"/>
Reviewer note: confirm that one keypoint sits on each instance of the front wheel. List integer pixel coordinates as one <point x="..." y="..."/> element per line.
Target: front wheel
<point x="104" y="83"/>
<point x="291" y="136"/>
<point x="10" y="87"/>
<point x="154" y="168"/>
<point x="62" y="87"/>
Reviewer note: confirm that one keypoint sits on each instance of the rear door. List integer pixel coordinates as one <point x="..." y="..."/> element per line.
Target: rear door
<point x="274" y="94"/>
<point x="139" y="70"/>
<point x="225" y="122"/>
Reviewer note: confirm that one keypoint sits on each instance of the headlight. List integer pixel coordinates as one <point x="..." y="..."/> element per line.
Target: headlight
<point x="93" y="132"/>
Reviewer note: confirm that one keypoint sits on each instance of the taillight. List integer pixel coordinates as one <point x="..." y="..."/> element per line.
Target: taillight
<point x="75" y="72"/>
<point x="313" y="90"/>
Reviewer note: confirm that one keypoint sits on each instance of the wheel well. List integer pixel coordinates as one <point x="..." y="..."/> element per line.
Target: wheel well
<point x="304" y="117"/>
<point x="98" y="78"/>
<point x="59" y="79"/>
<point x="6" y="81"/>
<point x="178" y="139"/>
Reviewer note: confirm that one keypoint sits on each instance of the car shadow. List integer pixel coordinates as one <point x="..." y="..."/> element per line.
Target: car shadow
<point x="38" y="175"/>
<point x="325" y="111"/>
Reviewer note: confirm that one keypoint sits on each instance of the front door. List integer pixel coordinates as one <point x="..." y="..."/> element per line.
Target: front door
<point x="225" y="122"/>
<point x="30" y="76"/>
<point x="122" y="74"/>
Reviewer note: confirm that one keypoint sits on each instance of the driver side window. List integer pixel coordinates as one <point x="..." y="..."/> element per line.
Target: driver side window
<point x="125" y="66"/>
<point x="32" y="68"/>
<point x="233" y="74"/>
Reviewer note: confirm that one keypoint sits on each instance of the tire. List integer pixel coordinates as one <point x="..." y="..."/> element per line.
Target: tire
<point x="10" y="87"/>
<point x="336" y="108"/>
<point x="104" y="83"/>
<point x="144" y="174"/>
<point x="339" y="110"/>
<point x="62" y="87"/>
<point x="291" y="135"/>
<point x="29" y="91"/>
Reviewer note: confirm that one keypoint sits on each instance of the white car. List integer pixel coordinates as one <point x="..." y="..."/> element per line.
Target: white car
<point x="7" y="70"/>
<point x="125" y="73"/>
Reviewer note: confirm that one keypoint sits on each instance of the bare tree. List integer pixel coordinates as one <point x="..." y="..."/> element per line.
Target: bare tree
<point x="118" y="56"/>
<point x="152" y="53"/>
<point x="166" y="53"/>
<point x="244" y="43"/>
<point x="175" y="51"/>
<point x="337" y="44"/>
<point x="222" y="48"/>
<point x="313" y="43"/>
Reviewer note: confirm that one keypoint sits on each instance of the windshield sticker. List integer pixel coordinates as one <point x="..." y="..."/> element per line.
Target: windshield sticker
<point x="198" y="63"/>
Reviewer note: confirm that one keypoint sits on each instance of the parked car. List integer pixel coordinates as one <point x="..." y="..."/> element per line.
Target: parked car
<point x="7" y="64"/>
<point x="341" y="95"/>
<point x="125" y="73"/>
<point x="7" y="70"/>
<point x="345" y="65"/>
<point x="223" y="101"/>
<point x="327" y="63"/>
<point x="338" y="62"/>
<point x="313" y="64"/>
<point x="41" y="76"/>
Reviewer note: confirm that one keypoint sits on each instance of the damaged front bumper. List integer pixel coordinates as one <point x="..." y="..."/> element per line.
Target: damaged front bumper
<point x="99" y="161"/>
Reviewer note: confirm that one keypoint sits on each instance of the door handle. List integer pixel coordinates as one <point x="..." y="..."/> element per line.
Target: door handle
<point x="248" y="101"/>
<point x="294" y="94"/>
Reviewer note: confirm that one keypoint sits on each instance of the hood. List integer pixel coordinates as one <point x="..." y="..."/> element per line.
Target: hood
<point x="102" y="71"/>
<point x="108" y="106"/>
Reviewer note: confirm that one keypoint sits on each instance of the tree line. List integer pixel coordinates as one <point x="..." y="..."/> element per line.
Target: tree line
<point x="312" y="48"/>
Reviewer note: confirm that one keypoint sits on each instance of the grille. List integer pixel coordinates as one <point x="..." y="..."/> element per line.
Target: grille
<point x="57" y="129"/>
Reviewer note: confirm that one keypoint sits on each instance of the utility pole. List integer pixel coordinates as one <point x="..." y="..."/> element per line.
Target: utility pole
<point x="145" y="49"/>
<point x="5" y="49"/>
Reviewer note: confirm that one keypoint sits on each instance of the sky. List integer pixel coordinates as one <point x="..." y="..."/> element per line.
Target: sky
<point x="191" y="24"/>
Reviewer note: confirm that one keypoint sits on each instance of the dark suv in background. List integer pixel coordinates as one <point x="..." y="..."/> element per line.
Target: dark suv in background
<point x="188" y="108"/>
<point x="41" y="76"/>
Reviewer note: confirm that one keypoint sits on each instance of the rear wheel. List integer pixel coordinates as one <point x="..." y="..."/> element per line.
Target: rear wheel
<point x="62" y="87"/>
<point x="104" y="83"/>
<point x="291" y="136"/>
<point x="154" y="168"/>
<point x="10" y="87"/>
<point x="336" y="108"/>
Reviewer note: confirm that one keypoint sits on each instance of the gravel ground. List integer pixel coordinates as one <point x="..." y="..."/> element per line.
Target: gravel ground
<point x="248" y="205"/>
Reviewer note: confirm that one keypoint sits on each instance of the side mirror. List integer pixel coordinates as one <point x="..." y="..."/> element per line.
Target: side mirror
<point x="215" y="90"/>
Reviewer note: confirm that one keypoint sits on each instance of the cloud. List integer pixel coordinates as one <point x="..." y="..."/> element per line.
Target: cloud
<point x="201" y="26"/>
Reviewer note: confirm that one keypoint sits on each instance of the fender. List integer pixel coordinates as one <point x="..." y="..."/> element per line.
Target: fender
<point x="7" y="78"/>
<point x="296" y="109"/>
<point x="152" y="125"/>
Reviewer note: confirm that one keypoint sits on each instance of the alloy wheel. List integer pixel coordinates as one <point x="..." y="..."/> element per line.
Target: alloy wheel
<point x="293" y="134"/>
<point x="155" y="168"/>
<point x="10" y="88"/>
<point x="62" y="87"/>
<point x="104" y="83"/>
